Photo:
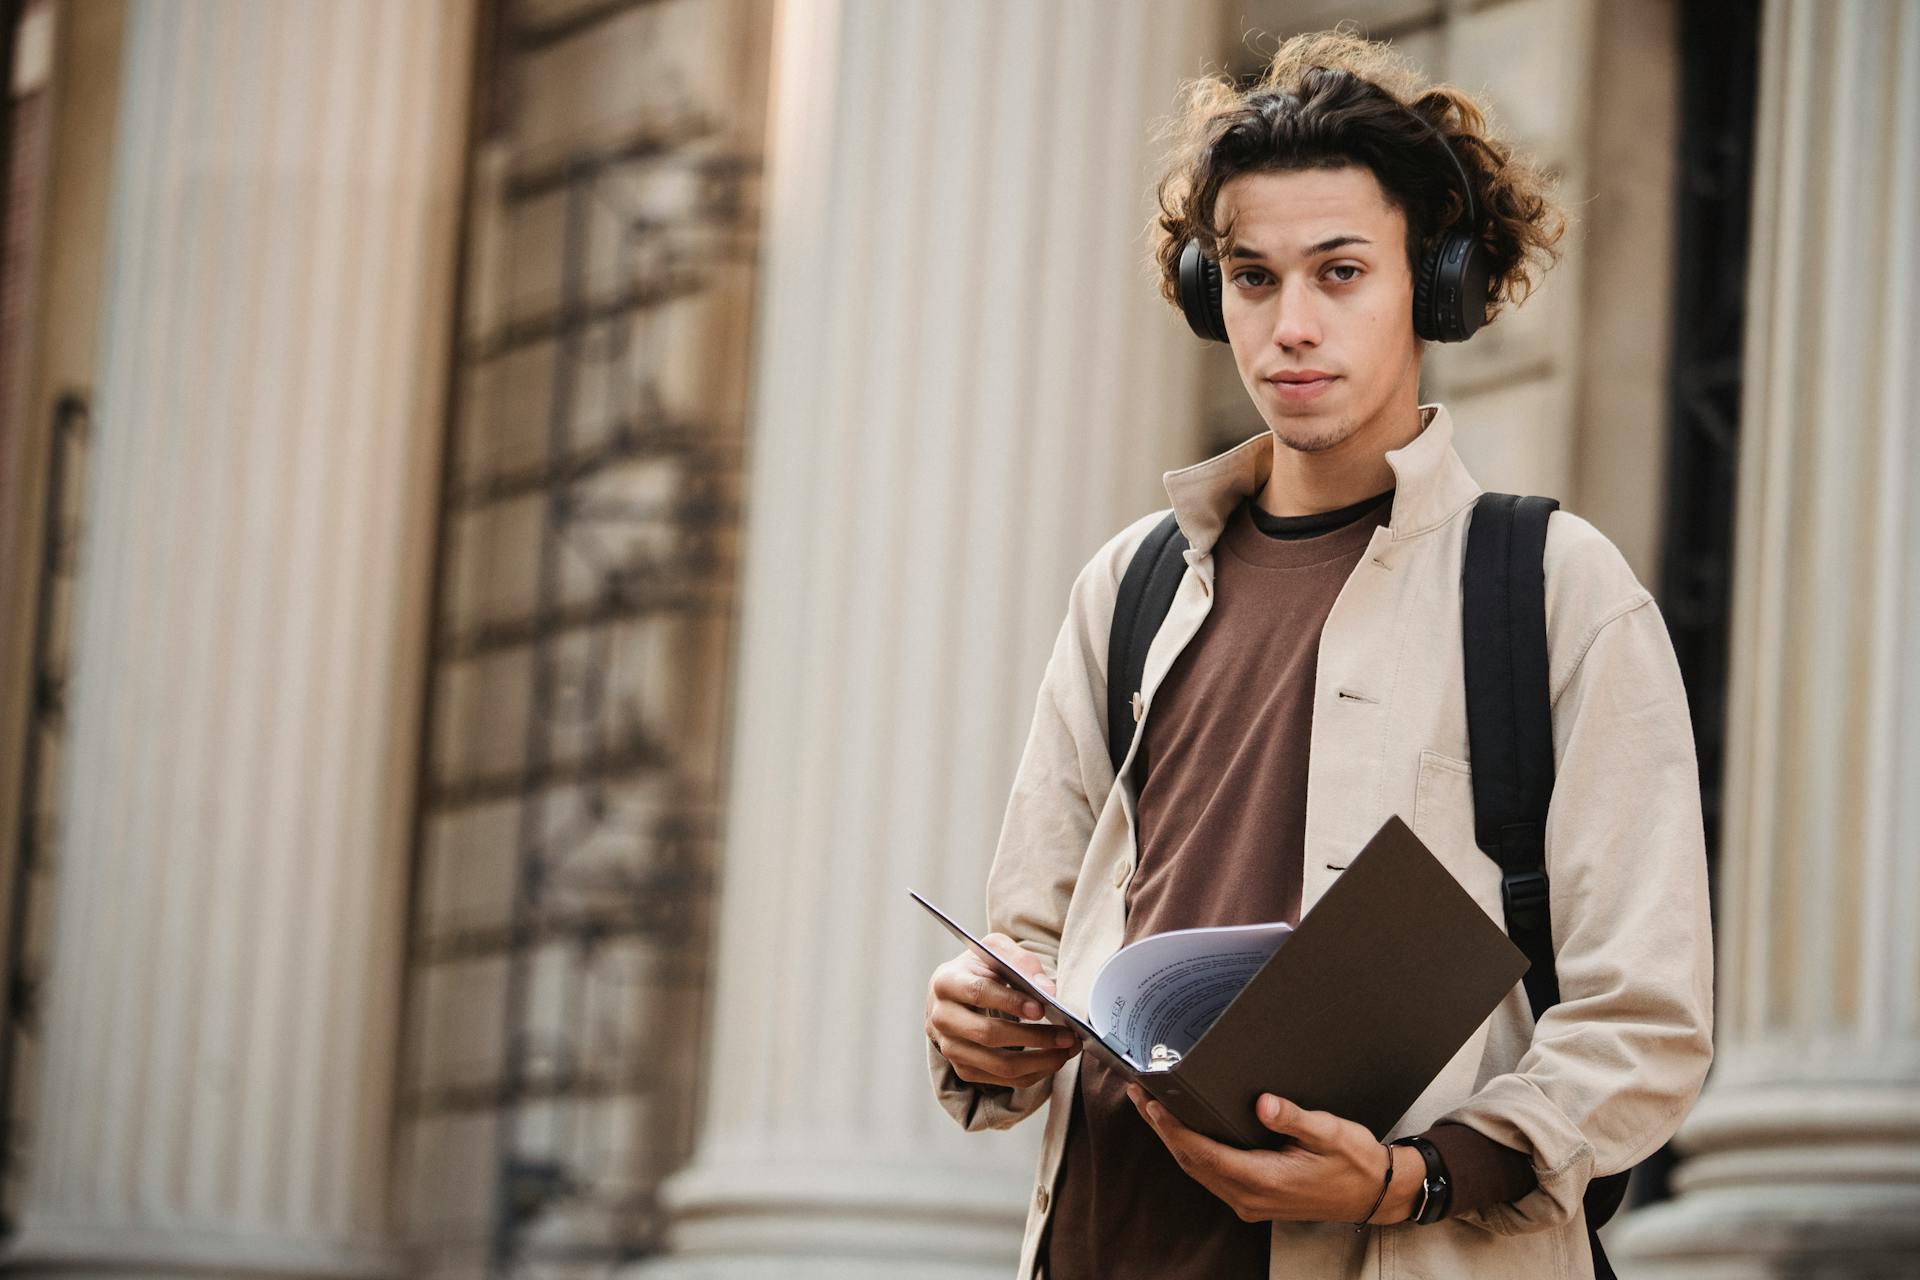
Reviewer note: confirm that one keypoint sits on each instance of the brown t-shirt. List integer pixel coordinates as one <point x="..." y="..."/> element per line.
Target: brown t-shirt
<point x="1222" y="824"/>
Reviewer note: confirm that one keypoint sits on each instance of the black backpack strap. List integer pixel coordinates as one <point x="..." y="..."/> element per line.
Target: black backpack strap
<point x="1510" y="737"/>
<point x="1146" y="593"/>
<point x="1604" y="1195"/>
<point x="1510" y="716"/>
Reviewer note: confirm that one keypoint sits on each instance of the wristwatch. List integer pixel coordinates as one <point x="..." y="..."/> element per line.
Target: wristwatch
<point x="1436" y="1193"/>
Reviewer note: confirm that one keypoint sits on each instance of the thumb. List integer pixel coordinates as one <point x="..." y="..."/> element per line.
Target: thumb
<point x="1020" y="958"/>
<point x="1282" y="1116"/>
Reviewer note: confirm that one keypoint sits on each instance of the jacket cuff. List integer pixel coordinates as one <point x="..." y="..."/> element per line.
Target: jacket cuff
<point x="982" y="1106"/>
<point x="1513" y="1112"/>
<point x="1480" y="1171"/>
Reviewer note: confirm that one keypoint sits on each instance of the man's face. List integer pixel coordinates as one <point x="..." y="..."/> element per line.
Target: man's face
<point x="1317" y="282"/>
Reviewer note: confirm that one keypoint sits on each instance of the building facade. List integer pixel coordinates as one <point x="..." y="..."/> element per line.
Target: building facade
<point x="526" y="525"/>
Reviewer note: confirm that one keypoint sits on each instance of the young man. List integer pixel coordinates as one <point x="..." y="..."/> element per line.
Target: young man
<point x="1307" y="683"/>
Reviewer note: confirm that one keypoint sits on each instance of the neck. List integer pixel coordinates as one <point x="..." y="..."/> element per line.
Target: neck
<point x="1303" y="484"/>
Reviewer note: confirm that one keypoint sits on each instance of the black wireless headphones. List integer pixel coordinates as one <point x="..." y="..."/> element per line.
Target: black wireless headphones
<point x="1449" y="287"/>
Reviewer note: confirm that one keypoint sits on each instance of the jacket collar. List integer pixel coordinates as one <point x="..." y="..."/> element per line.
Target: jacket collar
<point x="1431" y="484"/>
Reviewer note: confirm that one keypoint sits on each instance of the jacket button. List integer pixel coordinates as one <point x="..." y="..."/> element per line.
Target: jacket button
<point x="1120" y="874"/>
<point x="1136" y="706"/>
<point x="1040" y="1199"/>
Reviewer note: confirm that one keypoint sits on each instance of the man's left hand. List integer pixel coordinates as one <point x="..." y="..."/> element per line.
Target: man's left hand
<point x="1331" y="1172"/>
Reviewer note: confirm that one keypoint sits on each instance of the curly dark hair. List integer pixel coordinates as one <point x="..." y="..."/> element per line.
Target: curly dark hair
<point x="1330" y="99"/>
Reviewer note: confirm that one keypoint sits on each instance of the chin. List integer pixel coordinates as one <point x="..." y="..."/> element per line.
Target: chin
<point x="1311" y="435"/>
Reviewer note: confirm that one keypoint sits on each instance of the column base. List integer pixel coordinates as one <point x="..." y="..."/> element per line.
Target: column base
<point x="1809" y="1233"/>
<point x="1803" y="1179"/>
<point x="773" y="1220"/>
<point x="91" y="1252"/>
<point x="837" y="1267"/>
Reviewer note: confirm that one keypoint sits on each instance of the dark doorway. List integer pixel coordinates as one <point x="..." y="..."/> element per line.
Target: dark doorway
<point x="1720" y="63"/>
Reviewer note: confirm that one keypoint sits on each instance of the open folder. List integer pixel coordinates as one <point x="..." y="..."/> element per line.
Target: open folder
<point x="1355" y="1013"/>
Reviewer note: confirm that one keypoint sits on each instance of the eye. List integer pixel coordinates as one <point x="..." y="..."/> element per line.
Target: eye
<point x="1247" y="271"/>
<point x="1346" y="266"/>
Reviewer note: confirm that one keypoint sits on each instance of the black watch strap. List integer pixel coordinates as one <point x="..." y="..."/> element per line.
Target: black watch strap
<point x="1437" y="1194"/>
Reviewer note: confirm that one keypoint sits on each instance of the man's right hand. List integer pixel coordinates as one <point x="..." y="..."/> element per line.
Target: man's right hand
<point x="972" y="1019"/>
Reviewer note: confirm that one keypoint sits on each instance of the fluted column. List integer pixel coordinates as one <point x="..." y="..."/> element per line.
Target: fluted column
<point x="966" y="383"/>
<point x="221" y="1013"/>
<point x="1803" y="1154"/>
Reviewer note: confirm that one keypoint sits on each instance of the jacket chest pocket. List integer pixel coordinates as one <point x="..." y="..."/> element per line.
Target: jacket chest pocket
<point x="1443" y="817"/>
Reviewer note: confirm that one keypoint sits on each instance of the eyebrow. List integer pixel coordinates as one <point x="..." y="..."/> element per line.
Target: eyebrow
<point x="1313" y="251"/>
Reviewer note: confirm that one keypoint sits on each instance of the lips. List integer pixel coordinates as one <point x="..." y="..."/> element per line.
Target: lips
<point x="1296" y="388"/>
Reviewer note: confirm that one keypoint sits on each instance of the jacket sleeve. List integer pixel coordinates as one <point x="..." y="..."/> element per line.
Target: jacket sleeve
<point x="1060" y="786"/>
<point x="1613" y="1067"/>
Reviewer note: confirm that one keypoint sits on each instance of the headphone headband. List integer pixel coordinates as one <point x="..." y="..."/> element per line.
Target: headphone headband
<point x="1466" y="185"/>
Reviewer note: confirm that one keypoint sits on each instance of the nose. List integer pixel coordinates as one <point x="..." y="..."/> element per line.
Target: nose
<point x="1296" y="322"/>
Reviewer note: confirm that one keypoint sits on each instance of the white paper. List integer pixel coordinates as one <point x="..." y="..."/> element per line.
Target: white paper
<point x="1167" y="989"/>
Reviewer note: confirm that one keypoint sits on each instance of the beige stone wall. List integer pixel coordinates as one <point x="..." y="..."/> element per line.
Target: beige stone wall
<point x="67" y="66"/>
<point x="582" y="630"/>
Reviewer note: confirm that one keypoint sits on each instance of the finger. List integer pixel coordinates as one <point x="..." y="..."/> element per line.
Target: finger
<point x="964" y="1024"/>
<point x="1178" y="1139"/>
<point x="1158" y="1118"/>
<point x="969" y="982"/>
<point x="1019" y="957"/>
<point x="1023" y="1082"/>
<point x="1225" y="1167"/>
<point x="980" y="985"/>
<point x="974" y="965"/>
<point x="1018" y="1068"/>
<point x="995" y="1030"/>
<point x="958" y="1032"/>
<point x="1318" y="1131"/>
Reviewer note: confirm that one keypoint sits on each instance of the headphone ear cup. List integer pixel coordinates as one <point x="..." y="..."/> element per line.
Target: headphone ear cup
<point x="1199" y="285"/>
<point x="1424" y="324"/>
<point x="1450" y="290"/>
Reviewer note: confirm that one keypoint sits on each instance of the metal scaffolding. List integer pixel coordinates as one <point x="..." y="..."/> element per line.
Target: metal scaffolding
<point x="607" y="674"/>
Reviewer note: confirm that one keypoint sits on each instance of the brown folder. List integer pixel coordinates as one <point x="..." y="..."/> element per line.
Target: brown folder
<point x="1375" y="991"/>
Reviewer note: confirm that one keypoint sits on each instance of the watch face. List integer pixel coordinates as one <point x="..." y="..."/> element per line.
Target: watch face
<point x="1436" y="1191"/>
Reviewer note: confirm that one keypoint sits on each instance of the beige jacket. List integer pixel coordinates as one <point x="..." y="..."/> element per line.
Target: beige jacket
<point x="1610" y="1071"/>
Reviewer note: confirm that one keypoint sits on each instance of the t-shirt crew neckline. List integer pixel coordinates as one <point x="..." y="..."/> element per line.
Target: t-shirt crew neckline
<point x="1244" y="539"/>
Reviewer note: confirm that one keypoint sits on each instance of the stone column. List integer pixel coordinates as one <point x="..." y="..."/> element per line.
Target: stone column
<point x="1803" y="1154"/>
<point x="218" y="1056"/>
<point x="966" y="383"/>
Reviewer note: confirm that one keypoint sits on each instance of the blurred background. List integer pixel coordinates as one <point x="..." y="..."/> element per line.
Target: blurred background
<point x="525" y="526"/>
